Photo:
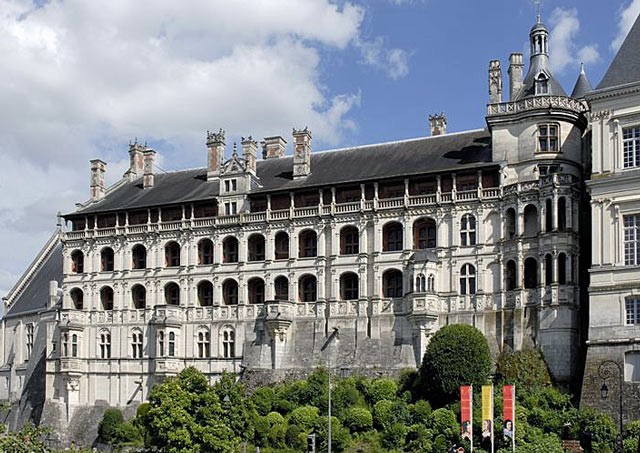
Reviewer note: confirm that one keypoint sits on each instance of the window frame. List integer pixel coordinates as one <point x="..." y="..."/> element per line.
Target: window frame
<point x="631" y="156"/>
<point x="632" y="311"/>
<point x="546" y="141"/>
<point x="468" y="230"/>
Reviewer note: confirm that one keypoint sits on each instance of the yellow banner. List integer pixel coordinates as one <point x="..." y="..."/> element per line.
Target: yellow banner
<point x="487" y="402"/>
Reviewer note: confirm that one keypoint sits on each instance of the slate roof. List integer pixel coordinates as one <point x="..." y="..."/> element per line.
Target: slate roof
<point x="31" y="293"/>
<point x="625" y="67"/>
<point x="365" y="163"/>
<point x="582" y="86"/>
<point x="538" y="64"/>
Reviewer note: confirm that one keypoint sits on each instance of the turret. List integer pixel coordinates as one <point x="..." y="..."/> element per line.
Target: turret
<point x="582" y="86"/>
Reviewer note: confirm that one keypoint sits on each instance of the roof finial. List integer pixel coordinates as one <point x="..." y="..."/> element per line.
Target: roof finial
<point x="581" y="68"/>
<point x="538" y="15"/>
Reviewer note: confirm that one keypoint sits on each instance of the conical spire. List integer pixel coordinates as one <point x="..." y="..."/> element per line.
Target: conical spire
<point x="582" y="86"/>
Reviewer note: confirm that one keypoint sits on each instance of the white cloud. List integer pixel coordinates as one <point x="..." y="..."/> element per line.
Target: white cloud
<point x="564" y="51"/>
<point x="82" y="78"/>
<point x="393" y="62"/>
<point x="627" y="17"/>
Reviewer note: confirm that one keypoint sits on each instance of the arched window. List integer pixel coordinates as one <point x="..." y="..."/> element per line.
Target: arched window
<point x="282" y="246"/>
<point x="467" y="230"/>
<point x="562" y="269"/>
<point x="510" y="224"/>
<point x="77" y="262"/>
<point x="171" y="344"/>
<point x="64" y="340"/>
<point x="511" y="276"/>
<point x="530" y="273"/>
<point x="106" y="298"/>
<point x="205" y="293"/>
<point x="256" y="247"/>
<point x="228" y="338"/>
<point x="431" y="283"/>
<point x="349" y="241"/>
<point x="530" y="220"/>
<point x="349" y="286"/>
<point x="562" y="213"/>
<point x="548" y="269"/>
<point x="205" y="252"/>
<point x="77" y="298"/>
<point x="74" y="345"/>
<point x="467" y="280"/>
<point x="230" y="250"/>
<point x="172" y="254"/>
<point x="230" y="292"/>
<point x="104" y="342"/>
<point x="256" y="290"/>
<point x="308" y="244"/>
<point x="392" y="237"/>
<point x="172" y="294"/>
<point x="139" y="297"/>
<point x="139" y="257"/>
<point x="542" y="87"/>
<point x="106" y="259"/>
<point x="392" y="283"/>
<point x="136" y="343"/>
<point x="204" y="343"/>
<point x="424" y="234"/>
<point x="548" y="219"/>
<point x="307" y="288"/>
<point x="161" y="341"/>
<point x="421" y="283"/>
<point x="281" y="288"/>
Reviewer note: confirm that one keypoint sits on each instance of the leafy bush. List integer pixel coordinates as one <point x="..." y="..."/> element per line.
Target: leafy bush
<point x="303" y="416"/>
<point x="525" y="368"/>
<point x="419" y="438"/>
<point x="382" y="414"/>
<point x="443" y="422"/>
<point x="358" y="419"/>
<point x="344" y="395"/>
<point x="420" y="411"/>
<point x="263" y="399"/>
<point x="458" y="354"/>
<point x="111" y="420"/>
<point x="394" y="436"/>
<point x="340" y="437"/>
<point x="381" y="389"/>
<point x="127" y="434"/>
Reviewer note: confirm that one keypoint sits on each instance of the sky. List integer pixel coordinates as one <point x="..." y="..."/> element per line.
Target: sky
<point x="81" y="79"/>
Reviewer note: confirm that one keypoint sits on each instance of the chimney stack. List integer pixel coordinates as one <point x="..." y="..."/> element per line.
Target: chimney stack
<point x="301" y="153"/>
<point x="495" y="82"/>
<point x="136" y="160"/>
<point x="97" y="179"/>
<point x="273" y="147"/>
<point x="516" y="68"/>
<point x="249" y="153"/>
<point x="148" y="178"/>
<point x="215" y="159"/>
<point x="438" y="124"/>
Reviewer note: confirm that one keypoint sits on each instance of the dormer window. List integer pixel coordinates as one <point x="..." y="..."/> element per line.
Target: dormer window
<point x="548" y="138"/>
<point x="230" y="185"/>
<point x="231" y="208"/>
<point x="542" y="84"/>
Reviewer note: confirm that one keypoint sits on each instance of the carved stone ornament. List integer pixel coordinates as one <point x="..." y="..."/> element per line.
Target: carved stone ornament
<point x="597" y="116"/>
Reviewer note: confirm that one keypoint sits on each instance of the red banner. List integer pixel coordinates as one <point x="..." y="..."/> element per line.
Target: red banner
<point x="466" y="415"/>
<point x="509" y="412"/>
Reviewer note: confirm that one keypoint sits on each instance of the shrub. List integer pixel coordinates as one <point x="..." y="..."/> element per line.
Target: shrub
<point x="111" y="420"/>
<point x="340" y="437"/>
<point x="344" y="395"/>
<point x="304" y="416"/>
<point x="128" y="434"/>
<point x="358" y="419"/>
<point x="457" y="355"/>
<point x="419" y="439"/>
<point x="263" y="399"/>
<point x="381" y="389"/>
<point x="525" y="368"/>
<point x="382" y="414"/>
<point x="420" y="412"/>
<point x="443" y="422"/>
<point x="393" y="437"/>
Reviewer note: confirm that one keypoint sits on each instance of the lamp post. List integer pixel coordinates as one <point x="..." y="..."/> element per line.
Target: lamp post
<point x="327" y="343"/>
<point x="604" y="371"/>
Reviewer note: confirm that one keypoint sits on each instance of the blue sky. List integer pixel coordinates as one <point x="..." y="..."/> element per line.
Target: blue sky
<point x="81" y="79"/>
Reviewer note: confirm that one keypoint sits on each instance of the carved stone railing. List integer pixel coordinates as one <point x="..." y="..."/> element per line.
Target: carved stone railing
<point x="535" y="103"/>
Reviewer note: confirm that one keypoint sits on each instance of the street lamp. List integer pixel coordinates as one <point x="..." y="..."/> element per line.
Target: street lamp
<point x="604" y="371"/>
<point x="327" y="343"/>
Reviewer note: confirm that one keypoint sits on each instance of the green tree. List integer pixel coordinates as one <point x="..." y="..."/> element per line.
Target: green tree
<point x="236" y="409"/>
<point x="263" y="399"/>
<point x="304" y="416"/>
<point x="185" y="416"/>
<point x="457" y="355"/>
<point x="111" y="419"/>
<point x="358" y="419"/>
<point x="526" y="368"/>
<point x="29" y="438"/>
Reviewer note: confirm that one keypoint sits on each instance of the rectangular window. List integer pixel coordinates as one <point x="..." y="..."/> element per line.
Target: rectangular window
<point x="632" y="311"/>
<point x="548" y="138"/>
<point x="631" y="146"/>
<point x="631" y="240"/>
<point x="231" y="208"/>
<point x="30" y="329"/>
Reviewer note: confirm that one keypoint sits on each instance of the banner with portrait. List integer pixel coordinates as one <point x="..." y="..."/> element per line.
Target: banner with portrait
<point x="466" y="412"/>
<point x="509" y="413"/>
<point x="487" y="415"/>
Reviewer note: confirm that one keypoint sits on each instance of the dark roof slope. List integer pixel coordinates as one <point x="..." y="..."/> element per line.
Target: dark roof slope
<point x="34" y="295"/>
<point x="582" y="86"/>
<point x="371" y="162"/>
<point x="625" y="67"/>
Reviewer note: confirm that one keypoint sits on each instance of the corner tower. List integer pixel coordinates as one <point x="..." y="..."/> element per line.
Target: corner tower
<point x="537" y="138"/>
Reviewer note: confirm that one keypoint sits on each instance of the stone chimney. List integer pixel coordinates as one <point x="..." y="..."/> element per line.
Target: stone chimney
<point x="136" y="161"/>
<point x="148" y="179"/>
<point x="273" y="147"/>
<point x="438" y="124"/>
<point x="98" y="168"/>
<point x="249" y="153"/>
<point x="495" y="82"/>
<point x="301" y="153"/>
<point x="516" y="68"/>
<point x="215" y="144"/>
